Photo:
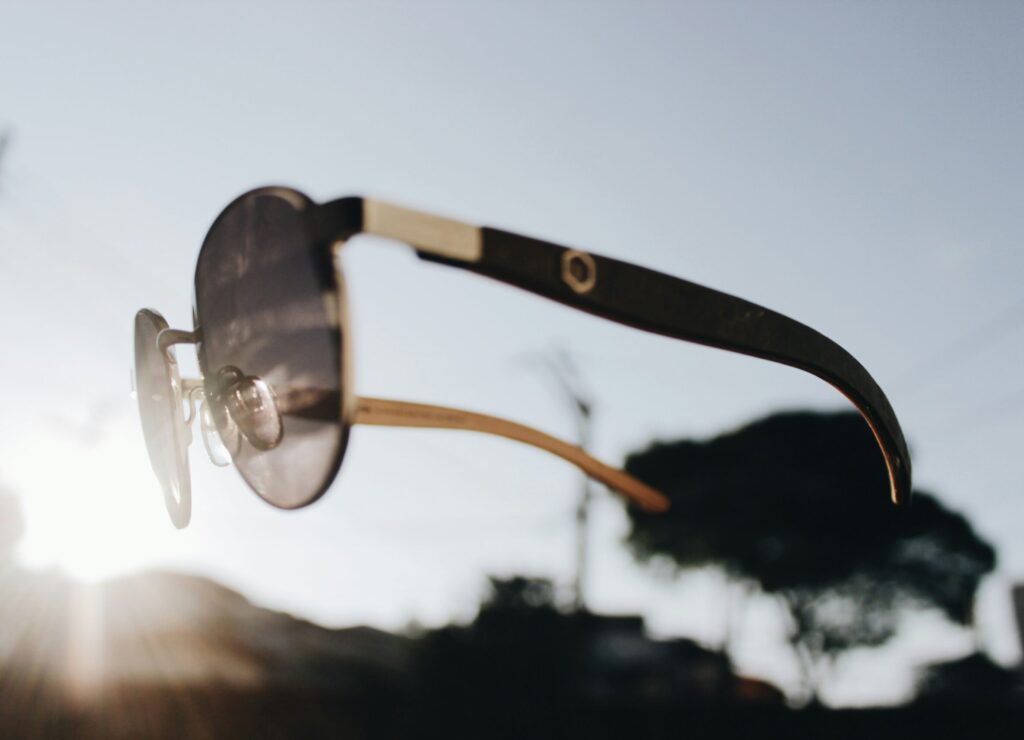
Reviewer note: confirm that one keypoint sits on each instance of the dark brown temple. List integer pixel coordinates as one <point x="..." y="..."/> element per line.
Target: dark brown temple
<point x="637" y="297"/>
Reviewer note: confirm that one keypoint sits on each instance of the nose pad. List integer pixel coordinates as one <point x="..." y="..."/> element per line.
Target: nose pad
<point x="252" y="406"/>
<point x="217" y="451"/>
<point x="222" y="427"/>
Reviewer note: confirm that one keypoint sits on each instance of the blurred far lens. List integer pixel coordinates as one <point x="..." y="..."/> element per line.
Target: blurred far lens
<point x="270" y="347"/>
<point x="156" y="386"/>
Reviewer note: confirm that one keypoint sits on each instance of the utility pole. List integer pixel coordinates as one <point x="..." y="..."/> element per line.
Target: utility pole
<point x="567" y="378"/>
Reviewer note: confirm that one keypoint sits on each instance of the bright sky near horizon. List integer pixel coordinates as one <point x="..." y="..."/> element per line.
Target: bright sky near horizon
<point x="856" y="166"/>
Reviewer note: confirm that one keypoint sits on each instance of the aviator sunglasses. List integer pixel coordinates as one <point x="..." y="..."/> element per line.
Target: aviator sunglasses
<point x="272" y="335"/>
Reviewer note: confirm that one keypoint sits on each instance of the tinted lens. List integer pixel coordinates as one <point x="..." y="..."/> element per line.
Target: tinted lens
<point x="157" y="389"/>
<point x="270" y="347"/>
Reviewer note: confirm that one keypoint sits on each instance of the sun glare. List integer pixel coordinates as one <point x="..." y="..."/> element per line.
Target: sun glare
<point x="91" y="508"/>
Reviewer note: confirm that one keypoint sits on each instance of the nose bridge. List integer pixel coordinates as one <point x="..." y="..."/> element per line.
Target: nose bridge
<point x="167" y="338"/>
<point x="248" y="402"/>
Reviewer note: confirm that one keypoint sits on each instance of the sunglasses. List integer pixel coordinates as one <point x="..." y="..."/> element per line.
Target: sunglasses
<point x="274" y="344"/>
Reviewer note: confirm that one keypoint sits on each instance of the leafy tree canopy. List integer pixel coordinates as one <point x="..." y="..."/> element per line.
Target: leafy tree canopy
<point x="798" y="503"/>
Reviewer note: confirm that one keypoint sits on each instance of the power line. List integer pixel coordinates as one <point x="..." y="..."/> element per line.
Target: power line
<point x="963" y="348"/>
<point x="989" y="412"/>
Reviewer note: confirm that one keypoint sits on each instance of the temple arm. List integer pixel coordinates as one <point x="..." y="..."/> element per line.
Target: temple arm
<point x="323" y="405"/>
<point x="640" y="298"/>
<point x="665" y="305"/>
<point x="380" y="412"/>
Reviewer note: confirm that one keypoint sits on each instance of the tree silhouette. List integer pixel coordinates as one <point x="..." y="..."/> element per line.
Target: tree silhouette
<point x="504" y="674"/>
<point x="974" y="679"/>
<point x="797" y="505"/>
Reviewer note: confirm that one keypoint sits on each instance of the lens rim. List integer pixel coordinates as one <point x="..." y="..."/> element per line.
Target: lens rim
<point x="179" y="509"/>
<point x="343" y="346"/>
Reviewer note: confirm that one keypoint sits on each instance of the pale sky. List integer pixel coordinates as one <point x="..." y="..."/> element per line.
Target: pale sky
<point x="858" y="167"/>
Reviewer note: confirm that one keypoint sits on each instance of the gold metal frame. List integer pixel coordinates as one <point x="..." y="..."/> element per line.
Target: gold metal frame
<point x="443" y="237"/>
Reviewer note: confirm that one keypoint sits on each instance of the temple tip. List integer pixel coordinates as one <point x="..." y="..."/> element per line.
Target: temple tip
<point x="655" y="502"/>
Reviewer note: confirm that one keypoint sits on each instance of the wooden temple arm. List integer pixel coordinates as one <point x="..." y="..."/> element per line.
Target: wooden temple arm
<point x="381" y="412"/>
